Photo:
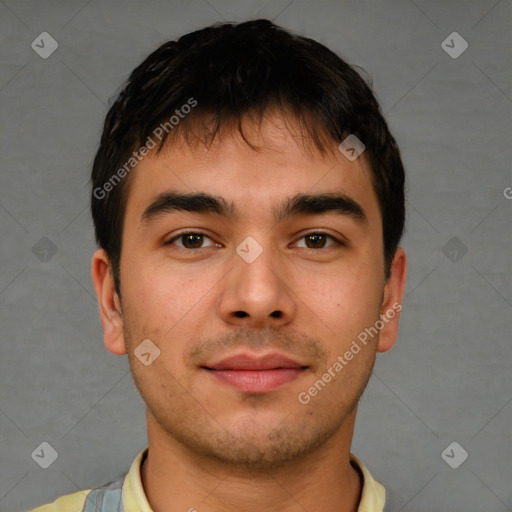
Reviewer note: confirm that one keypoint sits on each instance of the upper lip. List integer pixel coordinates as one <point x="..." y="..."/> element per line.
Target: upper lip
<point x="246" y="361"/>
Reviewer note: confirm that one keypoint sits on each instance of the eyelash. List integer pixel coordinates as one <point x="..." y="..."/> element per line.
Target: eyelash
<point x="181" y="235"/>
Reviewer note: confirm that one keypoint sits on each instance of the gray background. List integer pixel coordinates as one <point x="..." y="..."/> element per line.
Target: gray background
<point x="448" y="377"/>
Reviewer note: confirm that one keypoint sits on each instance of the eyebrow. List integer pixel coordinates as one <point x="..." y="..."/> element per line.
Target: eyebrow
<point x="300" y="204"/>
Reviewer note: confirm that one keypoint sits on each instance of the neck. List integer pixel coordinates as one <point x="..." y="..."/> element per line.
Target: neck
<point x="177" y="480"/>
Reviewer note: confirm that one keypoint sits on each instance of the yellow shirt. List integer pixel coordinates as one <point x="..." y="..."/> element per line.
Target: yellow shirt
<point x="126" y="494"/>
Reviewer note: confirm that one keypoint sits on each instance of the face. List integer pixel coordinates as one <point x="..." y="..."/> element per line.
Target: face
<point x="248" y="308"/>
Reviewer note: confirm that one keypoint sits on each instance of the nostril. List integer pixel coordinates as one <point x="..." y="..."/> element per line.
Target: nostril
<point x="243" y="314"/>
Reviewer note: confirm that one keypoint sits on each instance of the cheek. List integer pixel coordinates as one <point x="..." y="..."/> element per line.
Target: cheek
<point x="342" y="301"/>
<point x="164" y="299"/>
<point x="348" y="286"/>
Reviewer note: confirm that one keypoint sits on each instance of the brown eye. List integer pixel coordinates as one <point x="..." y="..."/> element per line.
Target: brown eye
<point x="315" y="240"/>
<point x="319" y="240"/>
<point x="195" y="240"/>
<point x="189" y="240"/>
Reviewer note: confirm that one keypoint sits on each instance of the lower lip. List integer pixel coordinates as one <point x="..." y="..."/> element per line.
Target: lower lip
<point x="257" y="381"/>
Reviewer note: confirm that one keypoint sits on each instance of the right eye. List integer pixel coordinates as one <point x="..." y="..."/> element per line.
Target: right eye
<point x="190" y="240"/>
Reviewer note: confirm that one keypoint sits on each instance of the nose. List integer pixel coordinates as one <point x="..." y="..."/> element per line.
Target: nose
<point x="258" y="294"/>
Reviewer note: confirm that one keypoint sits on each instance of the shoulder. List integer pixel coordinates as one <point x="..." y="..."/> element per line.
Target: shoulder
<point x="68" y="503"/>
<point x="107" y="498"/>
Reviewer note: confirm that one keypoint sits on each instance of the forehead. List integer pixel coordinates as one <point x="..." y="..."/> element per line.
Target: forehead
<point x="273" y="162"/>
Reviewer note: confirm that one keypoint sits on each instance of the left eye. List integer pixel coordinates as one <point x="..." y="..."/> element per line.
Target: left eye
<point x="317" y="240"/>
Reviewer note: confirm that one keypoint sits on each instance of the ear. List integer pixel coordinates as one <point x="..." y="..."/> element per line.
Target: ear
<point x="108" y="300"/>
<point x="392" y="301"/>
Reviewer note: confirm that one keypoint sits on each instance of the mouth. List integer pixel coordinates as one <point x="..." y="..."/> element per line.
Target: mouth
<point x="251" y="374"/>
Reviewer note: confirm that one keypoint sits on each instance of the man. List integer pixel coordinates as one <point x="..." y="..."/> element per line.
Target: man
<point x="248" y="201"/>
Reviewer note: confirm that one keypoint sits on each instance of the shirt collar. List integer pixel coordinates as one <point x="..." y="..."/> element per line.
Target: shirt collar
<point x="373" y="494"/>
